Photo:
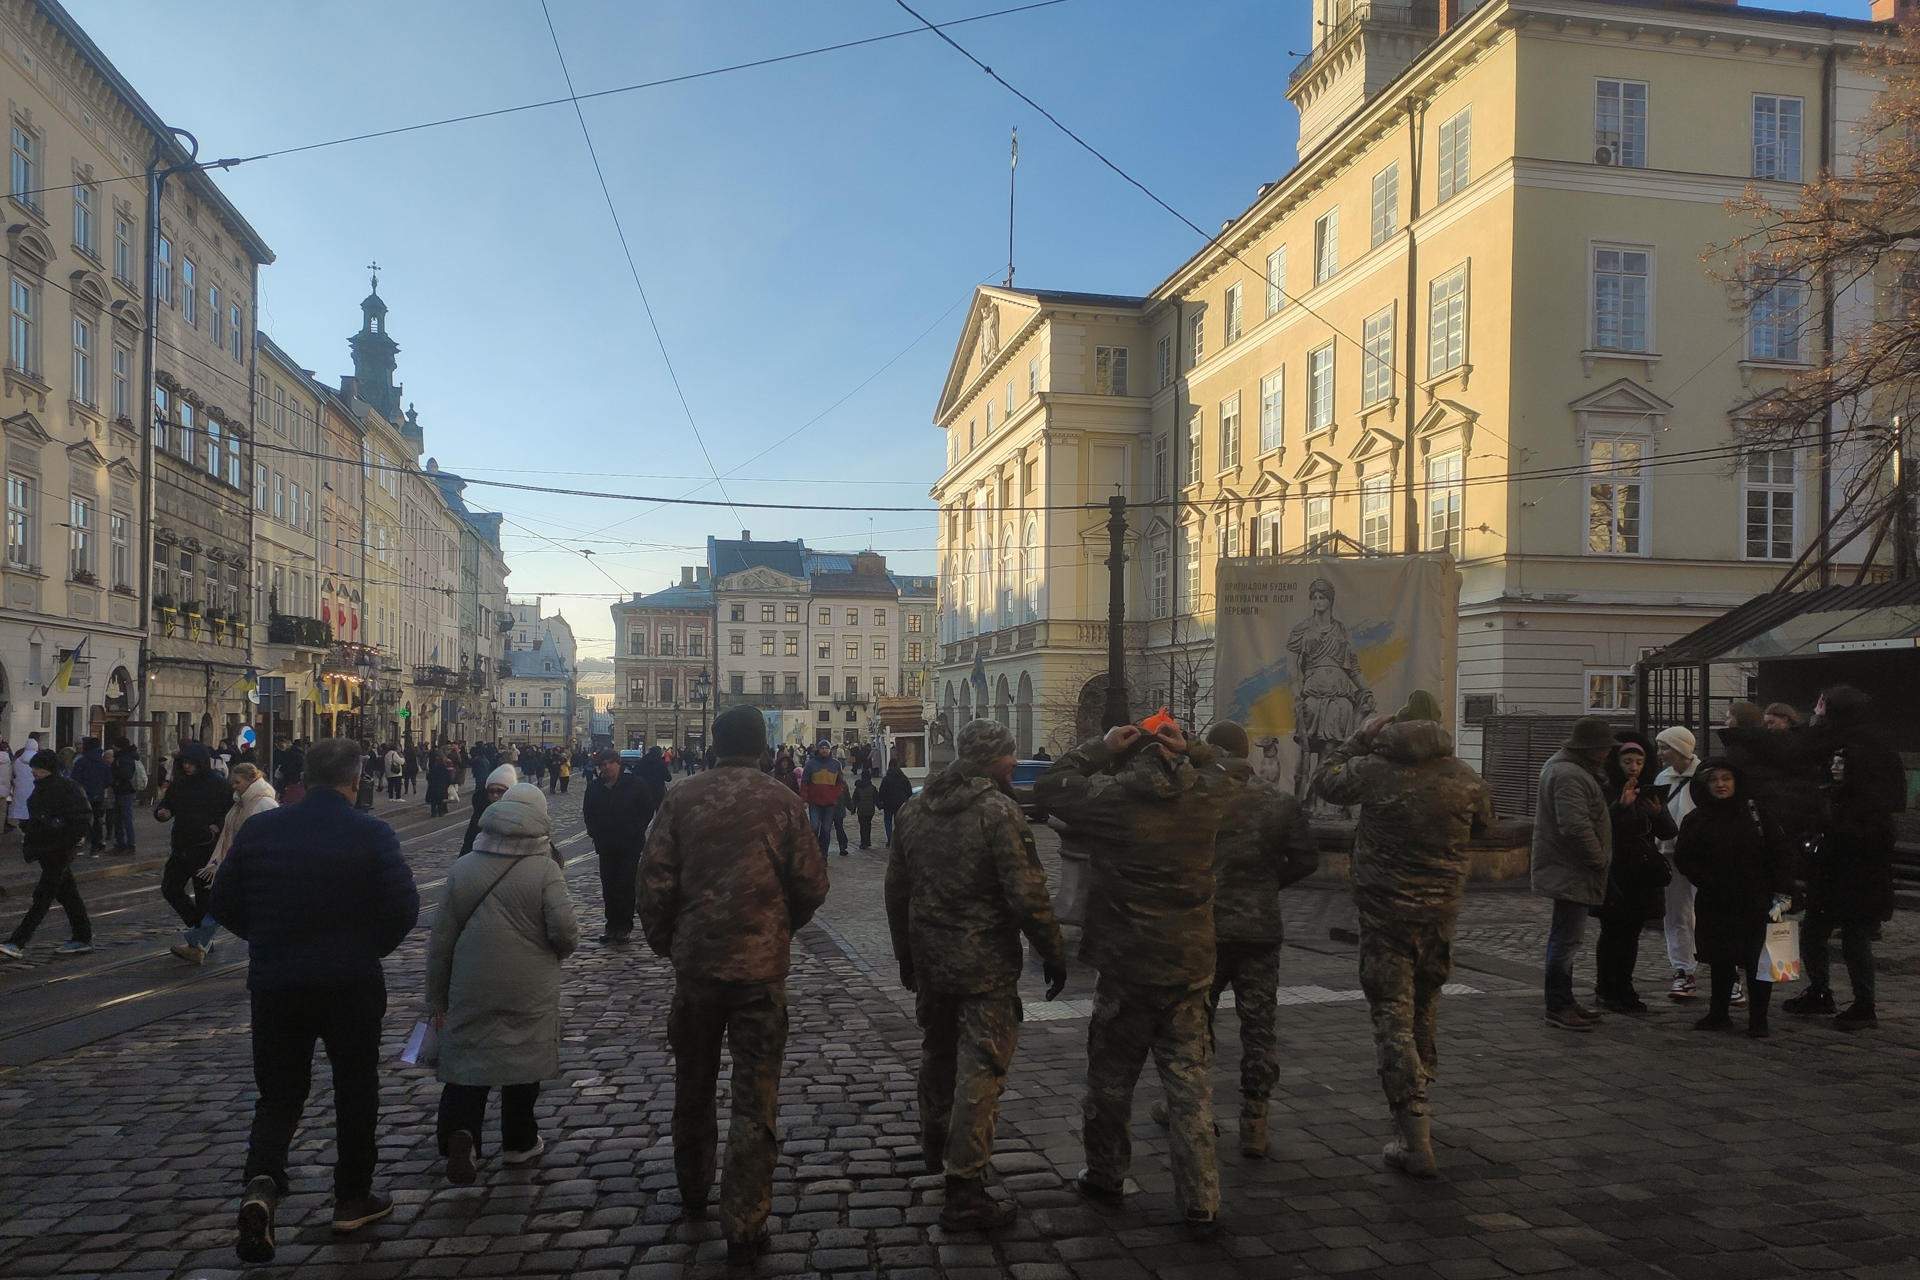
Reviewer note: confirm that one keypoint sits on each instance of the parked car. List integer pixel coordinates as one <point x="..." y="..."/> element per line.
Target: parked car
<point x="1025" y="774"/>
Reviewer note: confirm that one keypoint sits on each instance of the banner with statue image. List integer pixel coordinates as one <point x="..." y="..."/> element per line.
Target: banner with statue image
<point x="1306" y="650"/>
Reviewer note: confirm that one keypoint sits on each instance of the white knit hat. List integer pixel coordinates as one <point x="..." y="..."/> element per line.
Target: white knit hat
<point x="505" y="776"/>
<point x="1679" y="737"/>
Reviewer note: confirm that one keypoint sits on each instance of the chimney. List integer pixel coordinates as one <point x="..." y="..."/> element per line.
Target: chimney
<point x="746" y="535"/>
<point x="686" y="575"/>
<point x="869" y="565"/>
<point x="700" y="574"/>
<point x="1896" y="10"/>
<point x="1449" y="15"/>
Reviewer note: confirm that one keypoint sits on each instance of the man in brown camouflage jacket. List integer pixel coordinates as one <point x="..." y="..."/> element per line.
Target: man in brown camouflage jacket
<point x="1147" y="809"/>
<point x="1264" y="845"/>
<point x="963" y="883"/>
<point x="1419" y="806"/>
<point x="731" y="871"/>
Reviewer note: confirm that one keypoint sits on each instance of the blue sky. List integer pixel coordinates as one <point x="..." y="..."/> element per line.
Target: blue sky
<point x="796" y="226"/>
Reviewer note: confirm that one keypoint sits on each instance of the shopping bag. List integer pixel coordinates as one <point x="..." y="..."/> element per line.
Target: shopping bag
<point x="423" y="1046"/>
<point x="453" y="794"/>
<point x="1780" y="956"/>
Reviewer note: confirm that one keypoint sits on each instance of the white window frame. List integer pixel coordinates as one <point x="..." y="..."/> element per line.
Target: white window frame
<point x="1193" y="451"/>
<point x="1230" y="433"/>
<point x="1277" y="281"/>
<point x="80" y="531"/>
<point x="1317" y="514"/>
<point x="1769" y="488"/>
<point x="1164" y="356"/>
<point x="1616" y="681"/>
<point x="1611" y="473"/>
<point x="1273" y="411"/>
<point x="1776" y="321"/>
<point x="23" y="325"/>
<point x="120" y="548"/>
<point x="1615" y="128"/>
<point x="1109" y="371"/>
<point x="121" y="401"/>
<point x="1326" y="246"/>
<point x="1444" y="502"/>
<point x="1188" y="596"/>
<point x="22" y="508"/>
<point x="86" y="342"/>
<point x="189" y="292"/>
<point x="1455" y="169"/>
<point x="1376" y="357"/>
<point x="1771" y="148"/>
<point x="1376" y="512"/>
<point x="1267" y="533"/>
<point x="86" y="220"/>
<point x="1623" y="277"/>
<point x="1385" y="202"/>
<point x="1447" y="299"/>
<point x="1161" y="457"/>
<point x="1234" y="319"/>
<point x="1321" y="373"/>
<point x="1162" y="567"/>
<point x="1197" y="337"/>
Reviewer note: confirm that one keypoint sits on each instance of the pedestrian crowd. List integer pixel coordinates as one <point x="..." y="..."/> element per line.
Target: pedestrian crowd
<point x="1187" y="848"/>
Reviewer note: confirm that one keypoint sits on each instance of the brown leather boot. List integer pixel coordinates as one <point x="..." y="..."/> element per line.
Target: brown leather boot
<point x="970" y="1208"/>
<point x="1411" y="1150"/>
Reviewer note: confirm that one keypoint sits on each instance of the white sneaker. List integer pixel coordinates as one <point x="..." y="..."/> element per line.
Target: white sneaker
<point x="1739" y="997"/>
<point x="521" y="1157"/>
<point x="189" y="952"/>
<point x="73" y="947"/>
<point x="1683" y="987"/>
<point x="13" y="951"/>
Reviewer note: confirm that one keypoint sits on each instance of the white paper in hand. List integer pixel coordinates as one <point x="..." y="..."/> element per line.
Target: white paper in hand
<point x="423" y="1046"/>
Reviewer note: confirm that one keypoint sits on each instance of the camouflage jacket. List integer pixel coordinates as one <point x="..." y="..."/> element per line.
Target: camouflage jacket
<point x="963" y="883"/>
<point x="731" y="870"/>
<point x="1148" y="832"/>
<point x="1264" y="845"/>
<point x="1419" y="805"/>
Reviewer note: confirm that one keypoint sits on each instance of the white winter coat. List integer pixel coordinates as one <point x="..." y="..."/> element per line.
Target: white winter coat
<point x="1677" y="791"/>
<point x="257" y="798"/>
<point x="22" y="785"/>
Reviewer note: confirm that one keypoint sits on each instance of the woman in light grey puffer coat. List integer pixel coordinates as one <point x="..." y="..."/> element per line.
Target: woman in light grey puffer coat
<point x="493" y="979"/>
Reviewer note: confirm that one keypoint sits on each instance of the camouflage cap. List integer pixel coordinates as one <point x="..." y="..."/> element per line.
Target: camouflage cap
<point x="984" y="741"/>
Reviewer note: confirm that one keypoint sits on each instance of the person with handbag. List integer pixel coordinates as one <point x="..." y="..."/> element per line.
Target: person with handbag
<point x="493" y="980"/>
<point x="1737" y="859"/>
<point x="253" y="795"/>
<point x="1636" y="878"/>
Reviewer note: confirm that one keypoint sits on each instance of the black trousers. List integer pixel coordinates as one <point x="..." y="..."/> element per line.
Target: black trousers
<point x="393" y="786"/>
<point x="1856" y="948"/>
<point x="840" y="826"/>
<point x="286" y="1025"/>
<point x="1614" y="956"/>
<point x="56" y="884"/>
<point x="464" y="1107"/>
<point x="178" y="885"/>
<point x="619" y="877"/>
<point x="97" y="832"/>
<point x="866" y="829"/>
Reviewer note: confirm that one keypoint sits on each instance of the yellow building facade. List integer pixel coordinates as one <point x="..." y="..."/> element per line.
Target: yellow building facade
<point x="1479" y="316"/>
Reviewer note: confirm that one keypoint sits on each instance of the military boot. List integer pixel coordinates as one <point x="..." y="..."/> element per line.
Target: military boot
<point x="1253" y="1133"/>
<point x="1411" y="1149"/>
<point x="970" y="1208"/>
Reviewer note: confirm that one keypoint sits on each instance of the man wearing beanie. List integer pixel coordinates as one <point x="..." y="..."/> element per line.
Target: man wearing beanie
<point x="963" y="883"/>
<point x="1676" y="748"/>
<point x="1419" y="806"/>
<point x="1264" y="845"/>
<point x="731" y="870"/>
<point x="1146" y="808"/>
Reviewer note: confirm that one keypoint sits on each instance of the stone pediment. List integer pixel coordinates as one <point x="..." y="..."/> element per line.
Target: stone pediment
<point x="84" y="451"/>
<point x="1317" y="464"/>
<point x="27" y="427"/>
<point x="1622" y="404"/>
<point x="1446" y="415"/>
<point x="1374" y="440"/>
<point x="1270" y="484"/>
<point x="760" y="578"/>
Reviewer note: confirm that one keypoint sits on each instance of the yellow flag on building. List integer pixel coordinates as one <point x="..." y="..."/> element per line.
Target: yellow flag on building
<point x="63" y="679"/>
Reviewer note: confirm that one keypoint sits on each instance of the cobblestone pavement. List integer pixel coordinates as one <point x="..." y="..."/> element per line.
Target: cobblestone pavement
<point x="1642" y="1150"/>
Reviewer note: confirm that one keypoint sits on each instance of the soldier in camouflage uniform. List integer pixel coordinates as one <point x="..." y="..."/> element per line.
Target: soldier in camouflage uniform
<point x="1146" y="810"/>
<point x="1264" y="845"/>
<point x="1419" y="805"/>
<point x="963" y="883"/>
<point x="731" y="870"/>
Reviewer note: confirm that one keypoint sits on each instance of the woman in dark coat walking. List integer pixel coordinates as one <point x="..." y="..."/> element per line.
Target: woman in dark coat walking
<point x="439" y="779"/>
<point x="1636" y="877"/>
<point x="895" y="790"/>
<point x="1737" y="859"/>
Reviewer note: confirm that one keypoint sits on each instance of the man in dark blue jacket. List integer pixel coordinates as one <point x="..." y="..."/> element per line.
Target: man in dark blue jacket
<point x="321" y="892"/>
<point x="93" y="773"/>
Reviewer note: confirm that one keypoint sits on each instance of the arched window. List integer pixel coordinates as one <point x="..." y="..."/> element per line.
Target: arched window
<point x="1030" y="571"/>
<point x="1007" y="580"/>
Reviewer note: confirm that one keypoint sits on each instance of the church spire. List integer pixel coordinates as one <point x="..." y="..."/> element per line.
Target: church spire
<point x="374" y="353"/>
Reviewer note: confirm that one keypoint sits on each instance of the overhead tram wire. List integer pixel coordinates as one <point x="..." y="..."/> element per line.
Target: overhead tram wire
<point x="231" y="162"/>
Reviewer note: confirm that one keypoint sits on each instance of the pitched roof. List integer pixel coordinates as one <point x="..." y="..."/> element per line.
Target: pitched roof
<point x="1072" y="297"/>
<point x="854" y="584"/>
<point x="731" y="555"/>
<point x="531" y="664"/>
<point x="677" y="596"/>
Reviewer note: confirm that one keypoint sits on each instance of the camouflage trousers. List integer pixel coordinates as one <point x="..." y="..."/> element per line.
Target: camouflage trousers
<point x="751" y="1019"/>
<point x="1252" y="969"/>
<point x="967" y="1046"/>
<point x="1403" y="965"/>
<point x="1129" y="1021"/>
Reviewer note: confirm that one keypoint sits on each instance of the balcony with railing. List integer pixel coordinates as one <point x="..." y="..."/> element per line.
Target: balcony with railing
<point x="291" y="629"/>
<point x="344" y="657"/>
<point x="435" y="677"/>
<point x="1420" y="17"/>
<point x="1056" y="633"/>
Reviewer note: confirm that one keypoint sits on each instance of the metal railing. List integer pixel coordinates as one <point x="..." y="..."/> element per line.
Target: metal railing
<point x="1405" y="15"/>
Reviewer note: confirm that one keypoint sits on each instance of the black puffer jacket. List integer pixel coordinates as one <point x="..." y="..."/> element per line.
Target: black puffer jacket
<point x="1849" y="869"/>
<point x="1737" y="859"/>
<point x="58" y="816"/>
<point x="196" y="804"/>
<point x="1638" y="875"/>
